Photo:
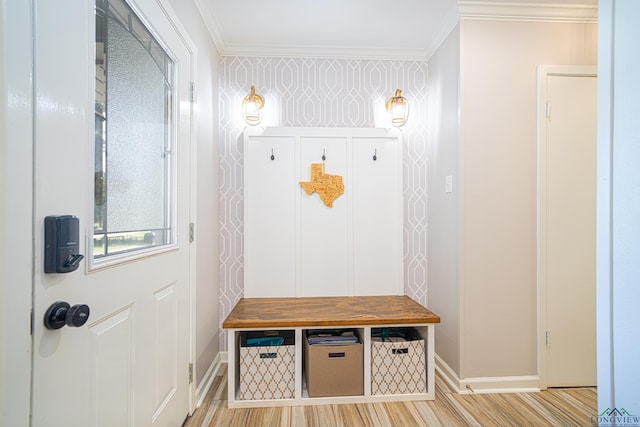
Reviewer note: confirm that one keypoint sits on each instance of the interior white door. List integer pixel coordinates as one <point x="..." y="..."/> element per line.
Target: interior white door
<point x="568" y="222"/>
<point x="128" y="365"/>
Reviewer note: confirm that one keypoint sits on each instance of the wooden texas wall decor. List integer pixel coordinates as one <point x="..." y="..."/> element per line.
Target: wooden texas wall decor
<point x="328" y="187"/>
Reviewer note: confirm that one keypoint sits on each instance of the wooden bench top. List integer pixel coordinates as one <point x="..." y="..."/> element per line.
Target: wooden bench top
<point x="327" y="311"/>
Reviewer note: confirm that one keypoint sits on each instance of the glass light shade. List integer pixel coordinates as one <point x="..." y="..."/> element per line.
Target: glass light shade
<point x="398" y="108"/>
<point x="252" y="108"/>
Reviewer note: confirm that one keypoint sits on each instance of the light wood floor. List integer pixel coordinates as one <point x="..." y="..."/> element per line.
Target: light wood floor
<point x="554" y="407"/>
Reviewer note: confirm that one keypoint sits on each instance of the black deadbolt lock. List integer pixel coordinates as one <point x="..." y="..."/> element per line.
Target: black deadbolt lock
<point x="61" y="313"/>
<point x="61" y="244"/>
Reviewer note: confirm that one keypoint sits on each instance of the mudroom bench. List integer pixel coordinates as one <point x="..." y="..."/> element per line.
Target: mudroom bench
<point x="325" y="350"/>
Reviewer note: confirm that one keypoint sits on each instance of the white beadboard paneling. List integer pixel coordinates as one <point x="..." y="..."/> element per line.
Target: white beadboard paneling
<point x="377" y="222"/>
<point x="272" y="250"/>
<point x="324" y="245"/>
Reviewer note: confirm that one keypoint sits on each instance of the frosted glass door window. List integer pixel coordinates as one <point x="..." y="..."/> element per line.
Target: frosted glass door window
<point x="133" y="136"/>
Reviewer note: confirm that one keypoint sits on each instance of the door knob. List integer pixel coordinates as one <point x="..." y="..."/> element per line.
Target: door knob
<point x="60" y="313"/>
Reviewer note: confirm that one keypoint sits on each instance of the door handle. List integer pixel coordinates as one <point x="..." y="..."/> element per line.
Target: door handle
<point x="72" y="261"/>
<point x="60" y="313"/>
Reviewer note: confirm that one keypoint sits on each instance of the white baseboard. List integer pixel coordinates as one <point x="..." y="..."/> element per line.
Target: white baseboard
<point x="224" y="357"/>
<point x="447" y="373"/>
<point x="209" y="376"/>
<point x="485" y="385"/>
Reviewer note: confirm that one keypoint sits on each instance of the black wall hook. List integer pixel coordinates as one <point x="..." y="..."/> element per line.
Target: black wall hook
<point x="272" y="156"/>
<point x="324" y="156"/>
<point x="375" y="155"/>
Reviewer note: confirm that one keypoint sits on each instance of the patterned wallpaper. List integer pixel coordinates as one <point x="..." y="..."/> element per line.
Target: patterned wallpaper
<point x="321" y="93"/>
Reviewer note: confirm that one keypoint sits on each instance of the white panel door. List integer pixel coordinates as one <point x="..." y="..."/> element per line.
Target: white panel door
<point x="377" y="224"/>
<point x="569" y="231"/>
<point x="270" y="217"/>
<point x="324" y="236"/>
<point x="128" y="365"/>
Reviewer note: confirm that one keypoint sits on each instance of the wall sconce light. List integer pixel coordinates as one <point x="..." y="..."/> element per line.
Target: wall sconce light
<point x="252" y="107"/>
<point x="398" y="108"/>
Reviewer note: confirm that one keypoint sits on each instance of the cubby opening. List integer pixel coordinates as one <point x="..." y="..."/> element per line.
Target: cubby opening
<point x="333" y="362"/>
<point x="266" y="362"/>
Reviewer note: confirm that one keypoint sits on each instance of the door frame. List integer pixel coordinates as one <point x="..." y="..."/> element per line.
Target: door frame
<point x="16" y="211"/>
<point x="193" y="180"/>
<point x="541" y="268"/>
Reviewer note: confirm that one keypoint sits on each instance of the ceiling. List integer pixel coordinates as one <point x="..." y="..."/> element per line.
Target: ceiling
<point x="373" y="29"/>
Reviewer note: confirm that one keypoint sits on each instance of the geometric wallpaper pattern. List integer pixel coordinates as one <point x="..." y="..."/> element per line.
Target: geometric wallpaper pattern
<point x="321" y="93"/>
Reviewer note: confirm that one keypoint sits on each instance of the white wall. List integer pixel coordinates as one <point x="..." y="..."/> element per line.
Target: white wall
<point x="15" y="212"/>
<point x="206" y="238"/>
<point x="496" y="187"/>
<point x="618" y="234"/>
<point x="499" y="185"/>
<point x="443" y="211"/>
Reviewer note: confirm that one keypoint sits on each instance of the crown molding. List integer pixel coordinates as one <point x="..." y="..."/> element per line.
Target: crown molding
<point x="330" y="52"/>
<point x="212" y="25"/>
<point x="536" y="12"/>
<point x="449" y="23"/>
